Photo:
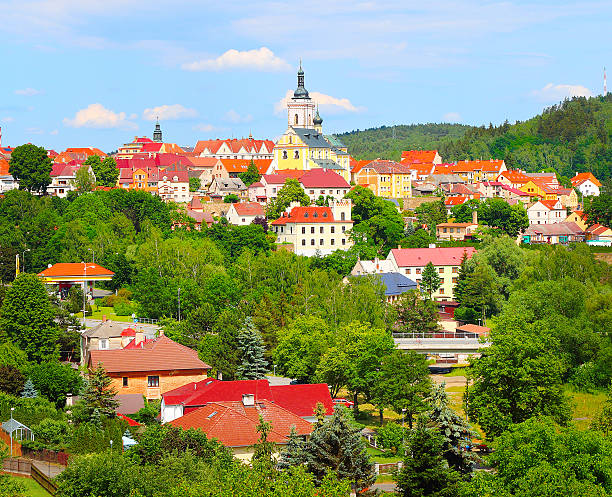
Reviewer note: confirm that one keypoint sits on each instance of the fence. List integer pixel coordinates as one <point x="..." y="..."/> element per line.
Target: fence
<point x="438" y="334"/>
<point x="43" y="480"/>
<point x="147" y="321"/>
<point x="6" y="438"/>
<point x="47" y="455"/>
<point x="17" y="465"/>
<point x="387" y="468"/>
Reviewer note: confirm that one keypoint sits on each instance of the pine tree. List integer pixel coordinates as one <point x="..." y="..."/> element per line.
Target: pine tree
<point x="320" y="412"/>
<point x="337" y="446"/>
<point x="250" y="343"/>
<point x="462" y="278"/>
<point x="293" y="454"/>
<point x="456" y="431"/>
<point x="95" y="419"/>
<point x="97" y="395"/>
<point x="29" y="391"/>
<point x="430" y="279"/>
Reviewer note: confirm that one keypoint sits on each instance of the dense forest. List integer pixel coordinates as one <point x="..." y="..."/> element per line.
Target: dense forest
<point x="573" y="136"/>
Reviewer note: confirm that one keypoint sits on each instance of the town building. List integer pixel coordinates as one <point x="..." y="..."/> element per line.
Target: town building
<point x="420" y="157"/>
<point x="395" y="284"/>
<point x="386" y="178"/>
<point x="150" y="367"/>
<point x="323" y="183"/>
<point x="514" y="178"/>
<point x="65" y="275"/>
<point x="173" y="184"/>
<point x="7" y="182"/>
<point x="299" y="399"/>
<point x="412" y="262"/>
<point x="546" y="212"/>
<point x="221" y="187"/>
<point x="377" y="266"/>
<point x="557" y="233"/>
<point x="455" y="231"/>
<point x="109" y="335"/>
<point x="63" y="177"/>
<point x="144" y="147"/>
<point x="245" y="149"/>
<point x="244" y="213"/>
<point x="587" y="184"/>
<point x="599" y="232"/>
<point x="473" y="171"/>
<point x="315" y="230"/>
<point x="78" y="154"/>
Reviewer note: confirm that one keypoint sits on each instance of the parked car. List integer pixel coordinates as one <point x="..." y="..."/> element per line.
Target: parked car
<point x="343" y="402"/>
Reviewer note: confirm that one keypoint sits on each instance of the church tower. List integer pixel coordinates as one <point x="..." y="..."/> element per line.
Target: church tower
<point x="301" y="108"/>
<point x="157" y="134"/>
<point x="318" y="122"/>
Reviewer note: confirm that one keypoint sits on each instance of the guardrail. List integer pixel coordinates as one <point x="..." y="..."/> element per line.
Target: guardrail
<point x="449" y="335"/>
<point x="43" y="480"/>
<point x="147" y="321"/>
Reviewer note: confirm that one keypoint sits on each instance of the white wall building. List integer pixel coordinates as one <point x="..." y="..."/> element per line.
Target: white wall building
<point x="242" y="214"/>
<point x="546" y="212"/>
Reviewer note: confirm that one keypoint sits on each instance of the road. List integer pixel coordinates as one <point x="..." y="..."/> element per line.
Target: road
<point x="148" y="329"/>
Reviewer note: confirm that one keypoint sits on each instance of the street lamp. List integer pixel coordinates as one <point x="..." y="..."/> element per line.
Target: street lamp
<point x="403" y="431"/>
<point x="12" y="409"/>
<point x="23" y="259"/>
<point x="85" y="289"/>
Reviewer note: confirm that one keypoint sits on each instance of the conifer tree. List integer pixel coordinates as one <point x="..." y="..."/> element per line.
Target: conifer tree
<point x="29" y="391"/>
<point x="462" y="278"/>
<point x="293" y="455"/>
<point x="251" y="345"/>
<point x="430" y="279"/>
<point x="97" y="395"/>
<point x="337" y="446"/>
<point x="455" y="431"/>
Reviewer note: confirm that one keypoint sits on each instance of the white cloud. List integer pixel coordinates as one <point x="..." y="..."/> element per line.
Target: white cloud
<point x="260" y="59"/>
<point x="451" y="117"/>
<point x="204" y="127"/>
<point x="554" y="93"/>
<point x="233" y="117"/>
<point x="28" y="92"/>
<point x="325" y="102"/>
<point x="97" y="116"/>
<point x="7" y="119"/>
<point x="169" y="113"/>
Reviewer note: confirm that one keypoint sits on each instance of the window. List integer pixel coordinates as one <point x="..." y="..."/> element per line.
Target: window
<point x="152" y="381"/>
<point x="441" y="291"/>
<point x="455" y="270"/>
<point x="296" y="119"/>
<point x="125" y="381"/>
<point x="103" y="344"/>
<point x="440" y="270"/>
<point x="296" y="155"/>
<point x="321" y="241"/>
<point x="343" y="229"/>
<point x="312" y="192"/>
<point x="343" y="241"/>
<point x="321" y="229"/>
<point x="312" y="229"/>
<point x="303" y="230"/>
<point x="304" y="242"/>
<point x="333" y="242"/>
<point x="284" y="154"/>
<point x="408" y="271"/>
<point x="454" y="280"/>
<point x="333" y="229"/>
<point x="444" y="230"/>
<point x="342" y="216"/>
<point x="418" y="271"/>
<point x="312" y="241"/>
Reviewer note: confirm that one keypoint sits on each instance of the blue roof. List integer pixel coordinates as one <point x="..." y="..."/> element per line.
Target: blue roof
<point x="395" y="283"/>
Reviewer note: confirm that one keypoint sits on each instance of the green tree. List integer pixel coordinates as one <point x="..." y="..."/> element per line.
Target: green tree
<point x="194" y="184"/>
<point x="425" y="473"/>
<point x="54" y="380"/>
<point x="403" y="384"/>
<point x="497" y="213"/>
<point x="481" y="291"/>
<point x="337" y="446"/>
<point x="392" y="436"/>
<point x="463" y="213"/>
<point x="517" y="377"/>
<point x="603" y="419"/>
<point x="29" y="390"/>
<point x="97" y="395"/>
<point x="106" y="170"/>
<point x="291" y="191"/>
<point x="599" y="209"/>
<point x="28" y="317"/>
<point x="293" y="453"/>
<point x="263" y="449"/>
<point x="84" y="180"/>
<point x="431" y="214"/>
<point x="416" y="314"/>
<point x="430" y="279"/>
<point x="232" y="198"/>
<point x="31" y="166"/>
<point x="11" y="380"/>
<point x="250" y="343"/>
<point x="251" y="175"/>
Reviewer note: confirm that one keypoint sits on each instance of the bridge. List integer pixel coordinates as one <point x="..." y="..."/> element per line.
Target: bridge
<point x="443" y="342"/>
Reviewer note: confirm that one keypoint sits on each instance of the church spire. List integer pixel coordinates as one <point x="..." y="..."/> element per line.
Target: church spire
<point x="300" y="92"/>
<point x="157" y="134"/>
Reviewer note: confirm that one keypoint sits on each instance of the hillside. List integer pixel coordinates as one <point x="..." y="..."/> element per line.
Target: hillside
<point x="389" y="141"/>
<point x="574" y="136"/>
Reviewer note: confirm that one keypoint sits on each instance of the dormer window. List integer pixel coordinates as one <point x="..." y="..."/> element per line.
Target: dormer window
<point x="325" y="214"/>
<point x="305" y="214"/>
<point x="315" y="214"/>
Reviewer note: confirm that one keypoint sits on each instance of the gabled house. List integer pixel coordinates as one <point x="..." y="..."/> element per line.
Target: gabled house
<point x="173" y="184"/>
<point x="386" y="178"/>
<point x="151" y="367"/>
<point x="394" y="284"/>
<point x="479" y="170"/>
<point x="557" y="233"/>
<point x="245" y="213"/>
<point x="538" y="188"/>
<point x="63" y="177"/>
<point x="7" y="182"/>
<point x="587" y="184"/>
<point x="233" y="167"/>
<point x="244" y="149"/>
<point x="412" y="262"/>
<point x="377" y="266"/>
<point x="455" y="231"/>
<point x="599" y="232"/>
<point x="546" y="212"/>
<point x="451" y="202"/>
<point x="323" y="183"/>
<point x="222" y="187"/>
<point x="513" y="177"/>
<point x="108" y="335"/>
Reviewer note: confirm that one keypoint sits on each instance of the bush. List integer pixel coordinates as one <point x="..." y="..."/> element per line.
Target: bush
<point x="391" y="436"/>
<point x="52" y="434"/>
<point x="588" y="377"/>
<point x="123" y="309"/>
<point x="11" y="380"/>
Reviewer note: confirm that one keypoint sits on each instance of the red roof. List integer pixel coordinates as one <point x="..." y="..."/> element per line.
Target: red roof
<point x="478" y="165"/>
<point x="250" y="145"/>
<point x="159" y="354"/>
<point x="414" y="156"/>
<point x="130" y="421"/>
<point x="515" y="176"/>
<point x="128" y="332"/>
<point x="439" y="256"/>
<point x="582" y="177"/>
<point x="357" y="165"/>
<point x="550" y="204"/>
<point x="242" y="165"/>
<point x="249" y="209"/>
<point x="451" y="201"/>
<point x="67" y="269"/>
<point x="4" y="167"/>
<point x="302" y="399"/>
<point x="308" y="214"/>
<point x="388" y="167"/>
<point x="235" y="425"/>
<point x="322" y="178"/>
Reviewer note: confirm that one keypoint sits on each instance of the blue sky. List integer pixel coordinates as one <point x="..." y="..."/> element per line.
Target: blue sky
<point x="95" y="73"/>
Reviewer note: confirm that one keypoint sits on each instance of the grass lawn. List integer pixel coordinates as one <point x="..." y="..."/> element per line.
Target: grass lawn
<point x="457" y="371"/>
<point x="585" y="406"/>
<point x="99" y="311"/>
<point x="384" y="478"/>
<point x="33" y="489"/>
<point x="381" y="457"/>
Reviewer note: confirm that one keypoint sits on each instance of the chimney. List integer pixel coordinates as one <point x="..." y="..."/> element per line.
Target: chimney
<point x="376" y="262"/>
<point x="104" y="318"/>
<point x="475" y="216"/>
<point x="139" y="337"/>
<point x="248" y="399"/>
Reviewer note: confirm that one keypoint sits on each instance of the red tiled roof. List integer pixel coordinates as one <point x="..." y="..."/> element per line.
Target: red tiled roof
<point x="235" y="425"/>
<point x="474" y="328"/>
<point x="199" y="162"/>
<point x="67" y="269"/>
<point x="415" y="156"/>
<point x="250" y="145"/>
<point x="388" y="167"/>
<point x="291" y="173"/>
<point x="159" y="354"/>
<point x="582" y="177"/>
<point x="478" y="165"/>
<point x="307" y="214"/>
<point x="197" y="394"/>
<point x="446" y="256"/>
<point x="322" y="178"/>
<point x="451" y="201"/>
<point x="550" y="204"/>
<point x="357" y="165"/>
<point x="249" y="209"/>
<point x="515" y="176"/>
<point x="443" y="169"/>
<point x="4" y="167"/>
<point x="130" y="421"/>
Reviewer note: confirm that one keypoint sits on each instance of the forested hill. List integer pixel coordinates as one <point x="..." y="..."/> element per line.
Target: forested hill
<point x="574" y="136"/>
<point x="389" y="141"/>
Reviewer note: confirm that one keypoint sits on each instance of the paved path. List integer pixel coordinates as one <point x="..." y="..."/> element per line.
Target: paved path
<point x="49" y="468"/>
<point x="148" y="329"/>
<point x="384" y="487"/>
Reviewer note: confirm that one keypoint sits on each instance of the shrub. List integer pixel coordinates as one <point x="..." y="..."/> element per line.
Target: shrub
<point x="11" y="380"/>
<point x="123" y="309"/>
<point x="52" y="433"/>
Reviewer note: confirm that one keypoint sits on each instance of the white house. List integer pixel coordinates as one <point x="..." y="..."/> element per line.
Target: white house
<point x="63" y="176"/>
<point x="325" y="183"/>
<point x="313" y="229"/>
<point x="587" y="184"/>
<point x="7" y="182"/>
<point x="173" y="184"/>
<point x="245" y="213"/>
<point x="546" y="212"/>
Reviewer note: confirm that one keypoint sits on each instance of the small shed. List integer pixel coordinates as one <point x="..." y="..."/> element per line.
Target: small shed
<point x="18" y="431"/>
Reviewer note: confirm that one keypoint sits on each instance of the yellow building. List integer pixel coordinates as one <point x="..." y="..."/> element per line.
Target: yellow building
<point x="386" y="178"/>
<point x="303" y="145"/>
<point x="537" y="189"/>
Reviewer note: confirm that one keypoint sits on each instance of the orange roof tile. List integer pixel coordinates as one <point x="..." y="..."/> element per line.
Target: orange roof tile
<point x="249" y="209"/>
<point x="241" y="165"/>
<point x="308" y="214"/>
<point x="67" y="269"/>
<point x="515" y="176"/>
<point x="4" y="167"/>
<point x="582" y="177"/>
<point x="478" y="165"/>
<point x="415" y="156"/>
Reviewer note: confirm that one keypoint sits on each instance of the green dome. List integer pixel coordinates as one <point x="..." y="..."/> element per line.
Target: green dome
<point x="317" y="119"/>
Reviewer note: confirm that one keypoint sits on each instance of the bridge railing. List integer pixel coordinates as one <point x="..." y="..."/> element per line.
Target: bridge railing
<point x="438" y="334"/>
